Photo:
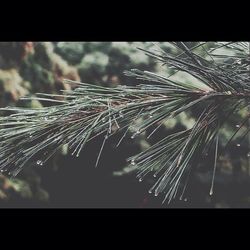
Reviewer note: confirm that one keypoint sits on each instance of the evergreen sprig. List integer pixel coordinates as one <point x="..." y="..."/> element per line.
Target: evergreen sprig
<point x="79" y="115"/>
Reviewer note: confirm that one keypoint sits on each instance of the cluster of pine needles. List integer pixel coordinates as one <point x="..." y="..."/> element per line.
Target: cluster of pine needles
<point x="87" y="111"/>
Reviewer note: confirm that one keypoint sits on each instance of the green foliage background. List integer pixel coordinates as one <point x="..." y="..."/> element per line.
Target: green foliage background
<point x="31" y="67"/>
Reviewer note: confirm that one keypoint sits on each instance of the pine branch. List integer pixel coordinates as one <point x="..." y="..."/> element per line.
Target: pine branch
<point x="79" y="115"/>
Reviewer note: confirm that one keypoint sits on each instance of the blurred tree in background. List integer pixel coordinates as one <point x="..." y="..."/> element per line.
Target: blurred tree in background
<point x="31" y="67"/>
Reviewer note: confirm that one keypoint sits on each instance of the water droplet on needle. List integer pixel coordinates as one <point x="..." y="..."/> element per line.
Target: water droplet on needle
<point x="121" y="114"/>
<point x="39" y="162"/>
<point x="133" y="162"/>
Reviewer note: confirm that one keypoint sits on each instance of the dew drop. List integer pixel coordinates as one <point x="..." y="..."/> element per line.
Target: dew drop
<point x="238" y="145"/>
<point x="133" y="162"/>
<point x="135" y="134"/>
<point x="155" y="175"/>
<point x="150" y="191"/>
<point x="140" y="180"/>
<point x="185" y="199"/>
<point x="237" y="126"/>
<point x="211" y="192"/>
<point x="156" y="194"/>
<point x="248" y="154"/>
<point x="39" y="162"/>
<point x="150" y="116"/>
<point x="121" y="114"/>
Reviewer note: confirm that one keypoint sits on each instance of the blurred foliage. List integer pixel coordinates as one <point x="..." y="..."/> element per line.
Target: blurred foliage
<point x="27" y="68"/>
<point x="104" y="62"/>
<point x="30" y="67"/>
